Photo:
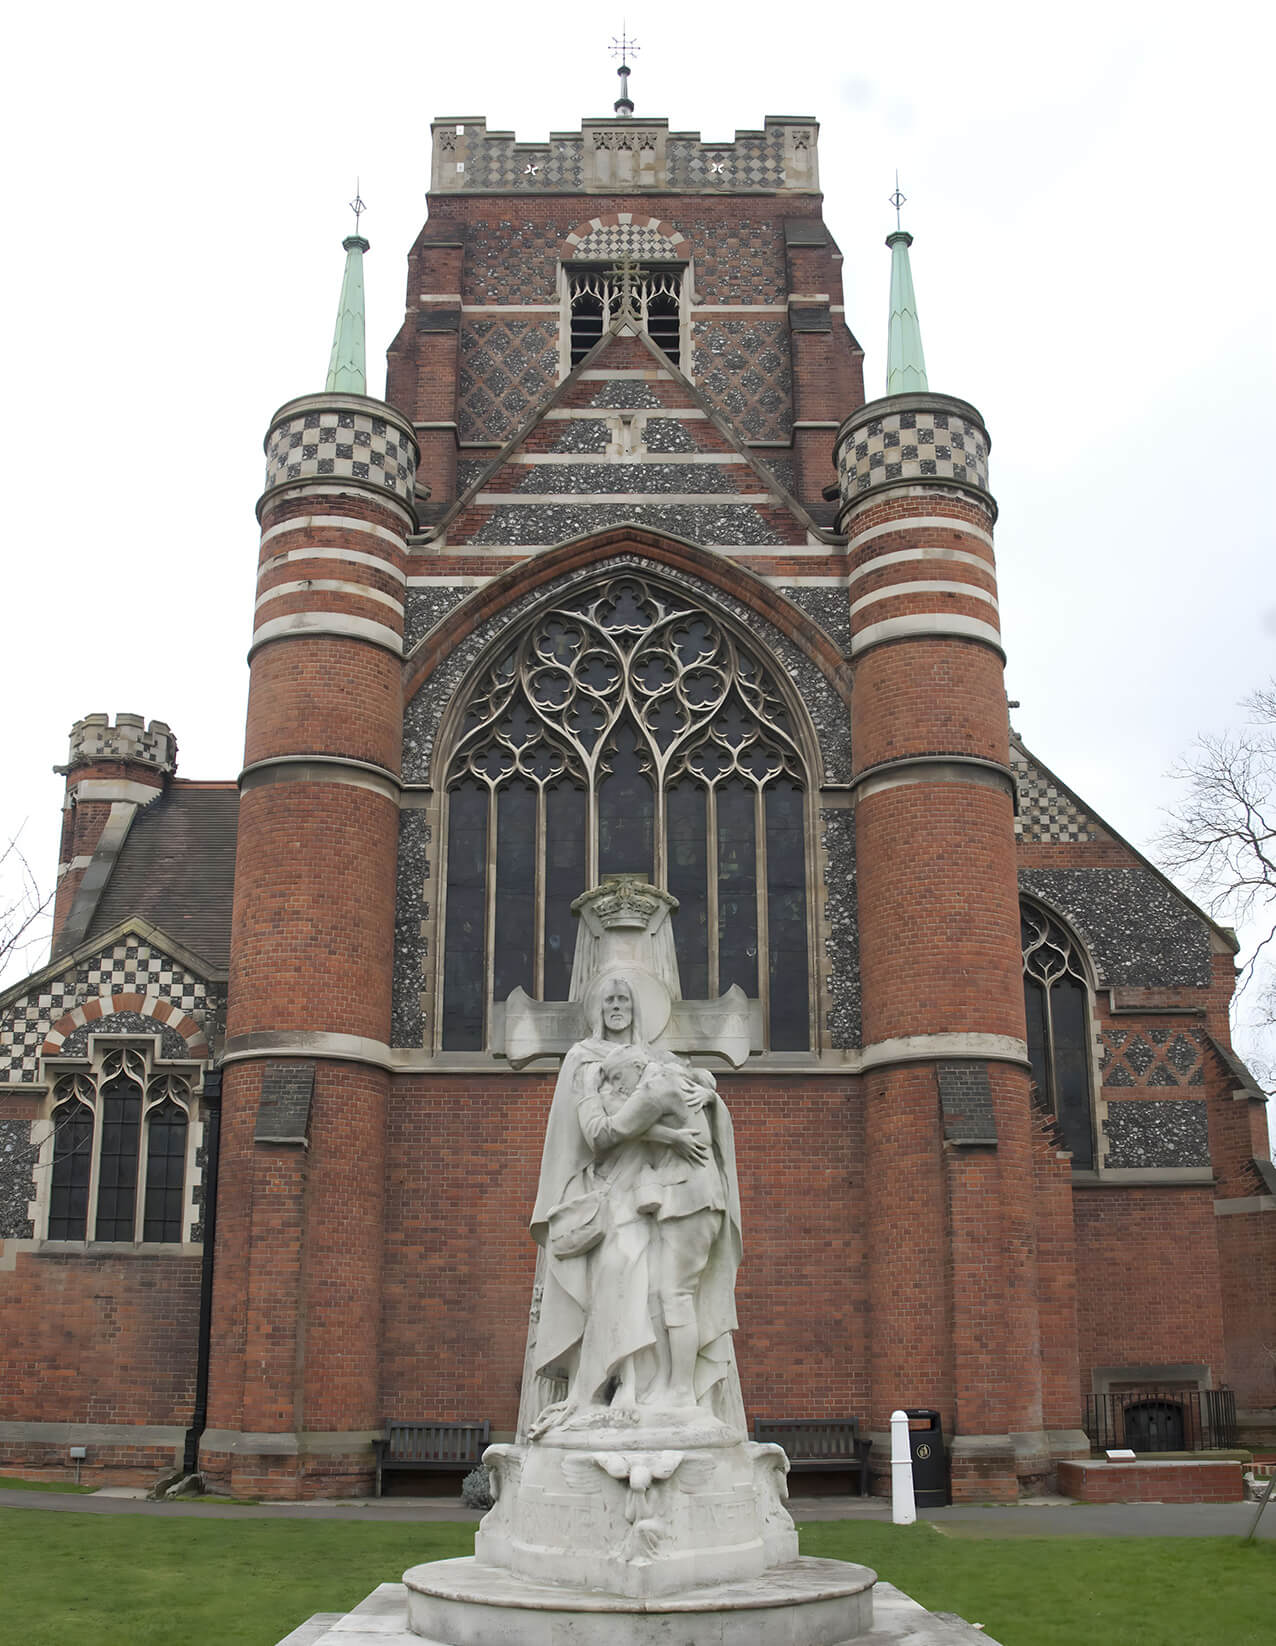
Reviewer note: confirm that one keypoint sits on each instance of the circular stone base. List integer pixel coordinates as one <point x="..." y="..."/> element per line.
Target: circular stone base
<point x="806" y="1603"/>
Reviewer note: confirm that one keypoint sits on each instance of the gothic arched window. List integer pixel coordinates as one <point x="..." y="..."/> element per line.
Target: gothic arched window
<point x="626" y="730"/>
<point x="1056" y="996"/>
<point x="117" y="1129"/>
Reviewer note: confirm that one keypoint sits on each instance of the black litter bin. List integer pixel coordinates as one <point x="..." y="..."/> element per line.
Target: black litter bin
<point x="930" y="1461"/>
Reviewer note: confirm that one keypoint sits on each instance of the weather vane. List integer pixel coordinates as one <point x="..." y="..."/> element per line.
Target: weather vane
<point x="624" y="48"/>
<point x="357" y="206"/>
<point x="897" y="200"/>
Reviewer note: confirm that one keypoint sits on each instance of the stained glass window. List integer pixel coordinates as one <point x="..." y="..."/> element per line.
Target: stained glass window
<point x="118" y="1131"/>
<point x="626" y="730"/>
<point x="1057" y="1004"/>
<point x="72" y="1159"/>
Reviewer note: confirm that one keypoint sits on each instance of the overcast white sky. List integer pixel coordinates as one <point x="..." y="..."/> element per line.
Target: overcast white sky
<point x="1090" y="191"/>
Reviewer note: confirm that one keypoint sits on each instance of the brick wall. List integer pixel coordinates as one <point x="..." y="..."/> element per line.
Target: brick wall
<point x="1147" y="1481"/>
<point x="1138" y="1301"/>
<point x="462" y="1161"/>
<point x="98" y="1338"/>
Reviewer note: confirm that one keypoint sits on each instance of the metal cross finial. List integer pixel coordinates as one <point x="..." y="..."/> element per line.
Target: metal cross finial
<point x="357" y="206"/>
<point x="897" y="199"/>
<point x="624" y="48"/>
<point x="622" y="275"/>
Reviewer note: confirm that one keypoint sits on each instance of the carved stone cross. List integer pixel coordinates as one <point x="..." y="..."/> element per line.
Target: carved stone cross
<point x="625" y="930"/>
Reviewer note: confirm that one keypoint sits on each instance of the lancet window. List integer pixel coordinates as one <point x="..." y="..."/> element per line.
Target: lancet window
<point x="1056" y="995"/>
<point x="626" y="730"/>
<point x="596" y="295"/>
<point x="119" y="1151"/>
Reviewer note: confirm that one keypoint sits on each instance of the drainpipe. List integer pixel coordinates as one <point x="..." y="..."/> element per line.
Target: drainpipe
<point x="212" y="1137"/>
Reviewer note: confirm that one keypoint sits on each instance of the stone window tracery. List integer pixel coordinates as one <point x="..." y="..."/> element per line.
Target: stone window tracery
<point x="626" y="730"/>
<point x="119" y="1150"/>
<point x="1057" y="1003"/>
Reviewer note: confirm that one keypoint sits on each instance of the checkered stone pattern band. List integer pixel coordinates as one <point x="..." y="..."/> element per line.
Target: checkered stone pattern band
<point x="344" y="445"/>
<point x="130" y="966"/>
<point x="629" y="240"/>
<point x="1046" y="812"/>
<point x="747" y="163"/>
<point x="913" y="445"/>
<point x="500" y="163"/>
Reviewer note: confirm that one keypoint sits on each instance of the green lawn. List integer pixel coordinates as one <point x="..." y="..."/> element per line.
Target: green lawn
<point x="130" y="1580"/>
<point x="15" y="1483"/>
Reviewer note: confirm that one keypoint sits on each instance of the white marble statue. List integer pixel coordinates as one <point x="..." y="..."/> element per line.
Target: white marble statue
<point x="638" y="1216"/>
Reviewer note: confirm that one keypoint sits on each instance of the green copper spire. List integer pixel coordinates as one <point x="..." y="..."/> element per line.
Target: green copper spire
<point x="347" y="368"/>
<point x="905" y="362"/>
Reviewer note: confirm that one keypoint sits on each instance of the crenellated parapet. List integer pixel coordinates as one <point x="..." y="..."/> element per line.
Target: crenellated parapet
<point x="621" y="152"/>
<point x="95" y="739"/>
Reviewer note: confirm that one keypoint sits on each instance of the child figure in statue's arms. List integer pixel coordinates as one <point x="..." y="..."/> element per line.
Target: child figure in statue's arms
<point x="661" y="1102"/>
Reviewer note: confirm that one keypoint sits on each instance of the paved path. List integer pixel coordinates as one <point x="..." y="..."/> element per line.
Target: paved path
<point x="1056" y="1518"/>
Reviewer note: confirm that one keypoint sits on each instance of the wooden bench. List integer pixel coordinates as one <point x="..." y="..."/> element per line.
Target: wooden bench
<point x="819" y="1444"/>
<point x="456" y="1446"/>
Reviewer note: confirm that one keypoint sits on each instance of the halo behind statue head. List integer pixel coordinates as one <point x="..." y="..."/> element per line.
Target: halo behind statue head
<point x="650" y="997"/>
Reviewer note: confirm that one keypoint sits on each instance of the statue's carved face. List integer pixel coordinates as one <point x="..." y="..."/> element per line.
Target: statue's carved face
<point x="618" y="1006"/>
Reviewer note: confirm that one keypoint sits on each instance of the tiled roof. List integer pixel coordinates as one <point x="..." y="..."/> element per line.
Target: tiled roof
<point x="177" y="869"/>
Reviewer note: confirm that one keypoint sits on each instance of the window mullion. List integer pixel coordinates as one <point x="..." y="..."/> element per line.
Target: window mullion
<point x="764" y="925"/>
<point x="659" y="851"/>
<point x="538" y="911"/>
<point x="95" y="1158"/>
<point x="591" y="829"/>
<point x="143" y="1162"/>
<point x="489" y="915"/>
<point x="1047" y="992"/>
<point x="711" y="858"/>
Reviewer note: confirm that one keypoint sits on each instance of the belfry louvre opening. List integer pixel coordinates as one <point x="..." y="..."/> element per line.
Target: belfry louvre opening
<point x="596" y="296"/>
<point x="627" y="730"/>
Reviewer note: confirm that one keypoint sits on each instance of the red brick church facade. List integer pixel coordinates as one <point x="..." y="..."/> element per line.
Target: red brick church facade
<point x="624" y="575"/>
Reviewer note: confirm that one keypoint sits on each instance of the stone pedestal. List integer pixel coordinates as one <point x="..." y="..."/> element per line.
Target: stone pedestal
<point x="806" y="1603"/>
<point x="803" y="1603"/>
<point x="635" y="1509"/>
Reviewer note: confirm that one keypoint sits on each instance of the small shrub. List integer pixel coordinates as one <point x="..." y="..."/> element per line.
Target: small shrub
<point x="476" y="1489"/>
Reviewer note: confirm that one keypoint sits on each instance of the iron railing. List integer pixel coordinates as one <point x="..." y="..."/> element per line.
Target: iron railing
<point x="1162" y="1420"/>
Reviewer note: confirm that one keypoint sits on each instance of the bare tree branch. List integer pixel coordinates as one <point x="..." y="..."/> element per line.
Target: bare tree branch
<point x="22" y="905"/>
<point x="1221" y="838"/>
